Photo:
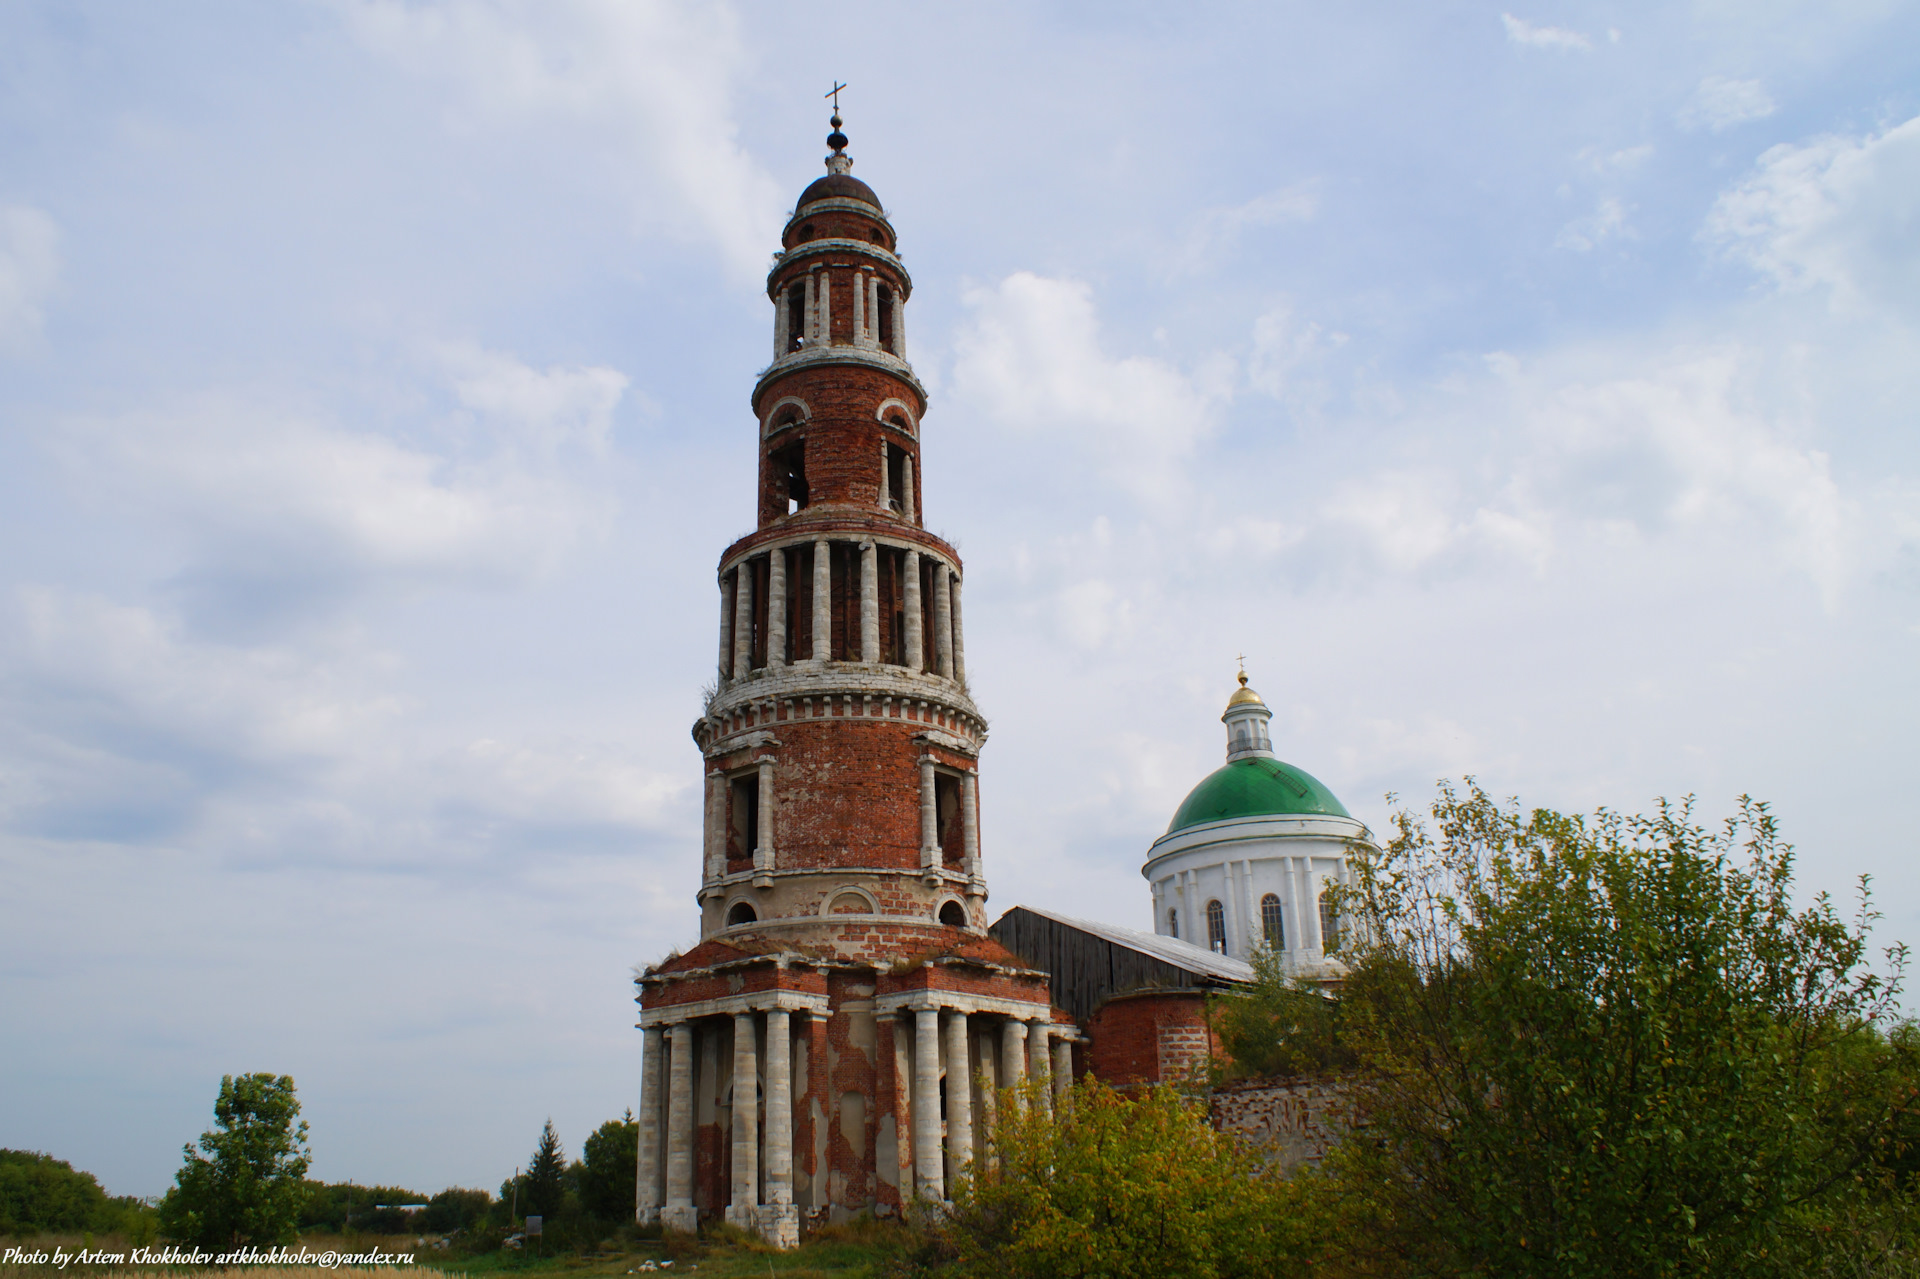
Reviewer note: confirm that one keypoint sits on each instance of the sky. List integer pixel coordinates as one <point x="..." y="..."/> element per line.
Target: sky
<point x="1528" y="393"/>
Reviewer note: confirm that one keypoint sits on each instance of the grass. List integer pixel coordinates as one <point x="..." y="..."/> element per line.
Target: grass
<point x="835" y="1252"/>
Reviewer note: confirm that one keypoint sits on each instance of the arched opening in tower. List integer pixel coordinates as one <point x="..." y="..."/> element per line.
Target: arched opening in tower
<point x="885" y="327"/>
<point x="743" y="819"/>
<point x="742" y="913"/>
<point x="896" y="478"/>
<point x="953" y="915"/>
<point x="946" y="798"/>
<point x="796" y="317"/>
<point x="789" y="463"/>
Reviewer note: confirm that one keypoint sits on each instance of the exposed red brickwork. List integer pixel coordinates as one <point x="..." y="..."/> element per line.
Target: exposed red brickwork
<point x="1148" y="1038"/>
<point x="839" y="440"/>
<point x="846" y="799"/>
<point x="836" y="224"/>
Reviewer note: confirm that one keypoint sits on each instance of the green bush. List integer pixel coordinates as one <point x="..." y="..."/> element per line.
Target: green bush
<point x="39" y="1192"/>
<point x="1607" y="1046"/>
<point x="1113" y="1185"/>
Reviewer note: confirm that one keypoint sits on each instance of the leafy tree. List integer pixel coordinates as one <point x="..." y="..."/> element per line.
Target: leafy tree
<point x="1604" y="1046"/>
<point x="608" y="1173"/>
<point x="1280" y="1025"/>
<point x="247" y="1187"/>
<point x="347" y="1204"/>
<point x="456" y="1208"/>
<point x="544" y="1188"/>
<point x="1113" y="1185"/>
<point x="39" y="1192"/>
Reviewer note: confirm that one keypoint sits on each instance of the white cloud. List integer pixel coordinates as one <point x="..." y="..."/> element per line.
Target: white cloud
<point x="1522" y="32"/>
<point x="1030" y="357"/>
<point x="1607" y="222"/>
<point x="551" y="410"/>
<point x="134" y="731"/>
<point x="257" y="490"/>
<point x="1218" y="229"/>
<point x="1721" y="103"/>
<point x="1672" y="449"/>
<point x="653" y="80"/>
<point x="1837" y="211"/>
<point x="29" y="268"/>
<point x="1284" y="354"/>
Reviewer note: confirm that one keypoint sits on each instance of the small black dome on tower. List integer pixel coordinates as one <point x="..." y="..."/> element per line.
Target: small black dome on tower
<point x="839" y="184"/>
<point x="843" y="186"/>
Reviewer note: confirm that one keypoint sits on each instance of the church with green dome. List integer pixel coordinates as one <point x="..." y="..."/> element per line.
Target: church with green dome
<point x="1250" y="852"/>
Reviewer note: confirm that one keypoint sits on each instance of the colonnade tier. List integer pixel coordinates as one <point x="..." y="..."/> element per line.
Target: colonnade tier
<point x="807" y="692"/>
<point x="947" y="1112"/>
<point x="878" y="601"/>
<point x="840" y="523"/>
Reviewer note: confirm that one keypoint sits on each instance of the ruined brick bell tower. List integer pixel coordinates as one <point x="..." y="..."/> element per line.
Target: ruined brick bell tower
<point x="842" y="665"/>
<point x="822" y="1051"/>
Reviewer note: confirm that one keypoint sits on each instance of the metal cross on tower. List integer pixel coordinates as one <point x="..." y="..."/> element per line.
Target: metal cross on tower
<point x="834" y="93"/>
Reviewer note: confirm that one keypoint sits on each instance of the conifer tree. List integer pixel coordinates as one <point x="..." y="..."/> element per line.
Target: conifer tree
<point x="545" y="1185"/>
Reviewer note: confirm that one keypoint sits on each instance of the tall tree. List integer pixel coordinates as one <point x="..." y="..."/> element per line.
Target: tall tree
<point x="545" y="1187"/>
<point x="608" y="1172"/>
<point x="1604" y="1046"/>
<point x="247" y="1183"/>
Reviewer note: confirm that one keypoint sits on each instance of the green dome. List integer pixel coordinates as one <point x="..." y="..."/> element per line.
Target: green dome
<point x="1256" y="787"/>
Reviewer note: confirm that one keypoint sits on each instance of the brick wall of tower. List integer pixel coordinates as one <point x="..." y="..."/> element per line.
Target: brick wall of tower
<point x="842" y="437"/>
<point x="838" y="224"/>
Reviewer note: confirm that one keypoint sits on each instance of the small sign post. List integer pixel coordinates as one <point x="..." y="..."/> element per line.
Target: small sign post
<point x="534" y="1222"/>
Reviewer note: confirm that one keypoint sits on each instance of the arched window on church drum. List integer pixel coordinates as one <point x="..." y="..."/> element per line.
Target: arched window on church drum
<point x="1329" y="926"/>
<point x="1216" y="926"/>
<point x="1271" y="926"/>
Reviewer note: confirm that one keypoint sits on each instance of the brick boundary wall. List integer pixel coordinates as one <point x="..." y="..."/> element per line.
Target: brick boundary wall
<point x="1293" y="1120"/>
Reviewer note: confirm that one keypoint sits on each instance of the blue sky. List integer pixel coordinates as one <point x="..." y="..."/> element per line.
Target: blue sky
<point x="1529" y="393"/>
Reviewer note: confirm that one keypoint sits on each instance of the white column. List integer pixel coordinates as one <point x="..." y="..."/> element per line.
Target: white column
<point x="970" y="823"/>
<point x="649" y="1190"/>
<point x="986" y="1115"/>
<point x="1290" y="904"/>
<point x="743" y="620"/>
<point x="906" y="491"/>
<point x="959" y="1095"/>
<point x="959" y="642"/>
<point x="779" y="1108"/>
<point x="716" y="831"/>
<point x="869" y="602"/>
<point x="859" y="309"/>
<point x="1013" y="1054"/>
<point x="777" y="607"/>
<point x="929" y="1171"/>
<point x="822" y="600"/>
<point x="1230" y="906"/>
<point x="873" y="309"/>
<point x="810" y="305"/>
<point x="679" y="1213"/>
<point x="825" y="329"/>
<point x="763" y="837"/>
<point x="746" y="1122"/>
<point x="1315" y="942"/>
<point x="885" y="495"/>
<point x="726" y="625"/>
<point x="929" y="817"/>
<point x="942" y="623"/>
<point x="780" y="339"/>
<point x="899" y="325"/>
<point x="916" y="636"/>
<point x="1062" y="1069"/>
<point x="1039" y="1059"/>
